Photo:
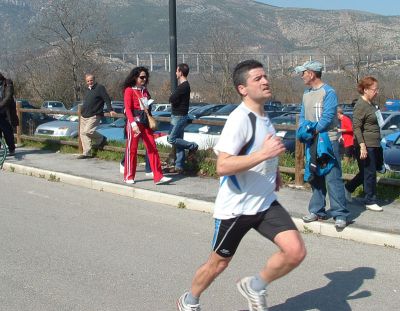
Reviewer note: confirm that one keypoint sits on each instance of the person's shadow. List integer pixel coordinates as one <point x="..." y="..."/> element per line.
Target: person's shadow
<point x="343" y="286"/>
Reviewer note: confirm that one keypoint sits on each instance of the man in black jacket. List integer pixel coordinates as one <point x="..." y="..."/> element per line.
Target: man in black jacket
<point x="8" y="116"/>
<point x="91" y="114"/>
<point x="179" y="100"/>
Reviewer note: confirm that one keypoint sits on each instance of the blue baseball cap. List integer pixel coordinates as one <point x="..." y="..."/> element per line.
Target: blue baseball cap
<point x="310" y="65"/>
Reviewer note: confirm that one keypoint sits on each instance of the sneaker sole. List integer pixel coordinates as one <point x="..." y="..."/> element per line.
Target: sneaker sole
<point x="243" y="293"/>
<point x="374" y="210"/>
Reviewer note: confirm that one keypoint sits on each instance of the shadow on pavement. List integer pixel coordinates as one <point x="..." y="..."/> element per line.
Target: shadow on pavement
<point x="343" y="286"/>
<point x="20" y="154"/>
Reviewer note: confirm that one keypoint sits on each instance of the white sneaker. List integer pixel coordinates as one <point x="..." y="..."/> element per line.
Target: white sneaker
<point x="182" y="306"/>
<point x="164" y="180"/>
<point x="256" y="300"/>
<point x="150" y="174"/>
<point x="121" y="168"/>
<point x="374" y="207"/>
<point x="130" y="181"/>
<point x="347" y="195"/>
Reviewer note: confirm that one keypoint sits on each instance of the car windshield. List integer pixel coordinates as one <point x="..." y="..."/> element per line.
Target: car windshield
<point x="291" y="119"/>
<point x="211" y="129"/>
<point x="385" y="115"/>
<point x="394" y="122"/>
<point x="69" y="118"/>
<point x="397" y="141"/>
<point x="55" y="105"/>
<point x="227" y="109"/>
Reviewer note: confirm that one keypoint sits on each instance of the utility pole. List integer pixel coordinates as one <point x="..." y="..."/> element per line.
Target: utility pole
<point x="172" y="44"/>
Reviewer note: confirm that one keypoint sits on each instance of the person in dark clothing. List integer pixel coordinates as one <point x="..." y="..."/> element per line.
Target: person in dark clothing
<point x="367" y="136"/>
<point x="8" y="117"/>
<point x="179" y="100"/>
<point x="91" y="114"/>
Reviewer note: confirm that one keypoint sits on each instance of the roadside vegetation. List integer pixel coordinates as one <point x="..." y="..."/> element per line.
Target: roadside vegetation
<point x="205" y="165"/>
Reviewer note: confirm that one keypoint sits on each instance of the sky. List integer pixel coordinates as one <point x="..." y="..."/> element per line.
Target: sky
<point x="383" y="7"/>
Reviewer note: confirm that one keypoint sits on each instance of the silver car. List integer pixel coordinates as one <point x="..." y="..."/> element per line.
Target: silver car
<point x="66" y="126"/>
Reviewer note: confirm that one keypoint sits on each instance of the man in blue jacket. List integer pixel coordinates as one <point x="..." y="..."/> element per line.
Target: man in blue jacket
<point x="320" y="105"/>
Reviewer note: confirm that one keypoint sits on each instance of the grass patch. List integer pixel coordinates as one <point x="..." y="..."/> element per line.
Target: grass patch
<point x="205" y="164"/>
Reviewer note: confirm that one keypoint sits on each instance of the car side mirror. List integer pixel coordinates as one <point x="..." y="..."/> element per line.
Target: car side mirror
<point x="389" y="143"/>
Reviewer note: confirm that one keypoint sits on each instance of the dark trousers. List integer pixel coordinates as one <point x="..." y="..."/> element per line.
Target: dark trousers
<point x="7" y="130"/>
<point x="366" y="175"/>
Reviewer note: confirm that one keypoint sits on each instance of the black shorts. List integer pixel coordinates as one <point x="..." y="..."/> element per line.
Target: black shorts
<point x="229" y="232"/>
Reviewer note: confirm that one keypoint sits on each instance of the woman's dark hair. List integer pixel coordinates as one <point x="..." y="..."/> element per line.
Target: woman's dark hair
<point x="365" y="83"/>
<point x="133" y="76"/>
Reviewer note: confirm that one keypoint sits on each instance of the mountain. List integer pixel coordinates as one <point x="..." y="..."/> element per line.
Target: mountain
<point x="143" y="25"/>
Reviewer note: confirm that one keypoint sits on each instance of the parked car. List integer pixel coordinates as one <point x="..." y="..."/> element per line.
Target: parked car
<point x="288" y="139"/>
<point x="392" y="105"/>
<point x="31" y="120"/>
<point x="388" y="140"/>
<point x="205" y="110"/>
<point x="115" y="130"/>
<point x="226" y="110"/>
<point x="206" y="136"/>
<point x="391" y="123"/>
<point x="273" y="105"/>
<point x="286" y="119"/>
<point x="66" y="126"/>
<point x="160" y="107"/>
<point x="391" y="154"/>
<point x="25" y="103"/>
<point x="54" y="105"/>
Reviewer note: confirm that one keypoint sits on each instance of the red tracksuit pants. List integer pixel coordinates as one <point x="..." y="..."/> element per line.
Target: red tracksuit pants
<point x="131" y="152"/>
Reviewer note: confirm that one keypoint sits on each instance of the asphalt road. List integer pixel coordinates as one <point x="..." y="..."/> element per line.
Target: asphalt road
<point x="66" y="248"/>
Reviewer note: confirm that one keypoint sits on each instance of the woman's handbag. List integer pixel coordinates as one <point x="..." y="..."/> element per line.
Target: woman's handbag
<point x="152" y="122"/>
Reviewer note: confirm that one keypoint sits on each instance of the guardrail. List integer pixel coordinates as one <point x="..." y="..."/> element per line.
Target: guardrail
<point x="298" y="170"/>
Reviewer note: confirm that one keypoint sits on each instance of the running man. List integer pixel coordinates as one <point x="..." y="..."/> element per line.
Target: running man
<point x="247" y="162"/>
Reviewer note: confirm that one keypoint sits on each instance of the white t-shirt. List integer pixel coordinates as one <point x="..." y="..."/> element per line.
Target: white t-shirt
<point x="252" y="191"/>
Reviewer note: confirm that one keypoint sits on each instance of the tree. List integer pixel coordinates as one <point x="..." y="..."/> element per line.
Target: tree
<point x="224" y="52"/>
<point x="73" y="30"/>
<point x="357" y="46"/>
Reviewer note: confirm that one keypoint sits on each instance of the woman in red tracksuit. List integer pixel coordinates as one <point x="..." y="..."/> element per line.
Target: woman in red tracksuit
<point x="136" y="99"/>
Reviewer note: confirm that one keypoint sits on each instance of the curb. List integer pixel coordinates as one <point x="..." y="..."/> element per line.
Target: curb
<point x="325" y="229"/>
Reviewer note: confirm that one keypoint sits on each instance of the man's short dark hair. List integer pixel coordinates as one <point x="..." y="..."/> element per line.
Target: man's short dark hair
<point x="318" y="74"/>
<point x="184" y="68"/>
<point x="240" y="73"/>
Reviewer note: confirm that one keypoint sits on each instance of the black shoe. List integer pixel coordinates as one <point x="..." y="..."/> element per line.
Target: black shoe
<point x="102" y="144"/>
<point x="175" y="170"/>
<point x="11" y="153"/>
<point x="192" y="152"/>
<point x="82" y="156"/>
<point x="313" y="217"/>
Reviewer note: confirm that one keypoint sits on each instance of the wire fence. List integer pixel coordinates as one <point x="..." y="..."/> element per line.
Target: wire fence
<point x="274" y="63"/>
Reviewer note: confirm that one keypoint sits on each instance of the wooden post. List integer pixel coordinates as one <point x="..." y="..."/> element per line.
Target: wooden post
<point x="299" y="160"/>
<point x="19" y="127"/>
<point x="79" y="130"/>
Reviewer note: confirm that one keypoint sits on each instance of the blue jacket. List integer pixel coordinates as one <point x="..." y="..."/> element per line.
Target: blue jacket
<point x="320" y="157"/>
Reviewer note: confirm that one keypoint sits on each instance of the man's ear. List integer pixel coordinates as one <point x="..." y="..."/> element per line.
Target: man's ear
<point x="242" y="90"/>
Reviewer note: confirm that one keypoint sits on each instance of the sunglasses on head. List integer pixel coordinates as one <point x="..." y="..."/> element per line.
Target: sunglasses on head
<point x="142" y="77"/>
